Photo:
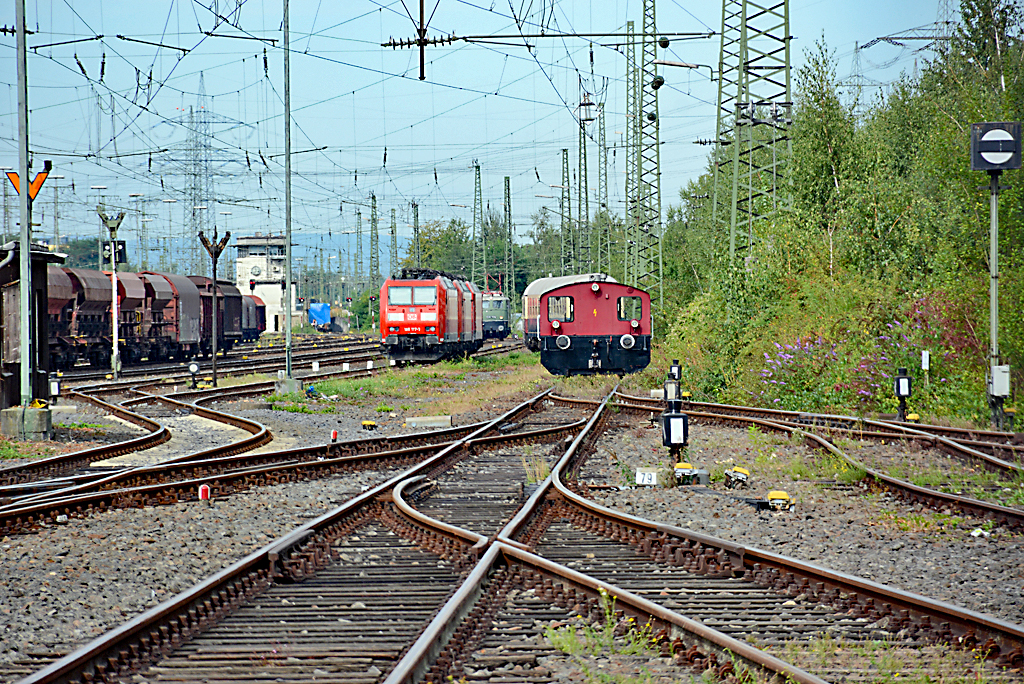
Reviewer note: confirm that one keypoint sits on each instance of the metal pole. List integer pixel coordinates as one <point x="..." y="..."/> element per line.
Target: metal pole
<point x="287" y="200"/>
<point x="115" y="355"/>
<point x="993" y="291"/>
<point x="56" y="228"/>
<point x="25" y="212"/>
<point x="215" y="309"/>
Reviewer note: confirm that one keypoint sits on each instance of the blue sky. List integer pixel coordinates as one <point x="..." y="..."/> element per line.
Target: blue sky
<point x="506" y="107"/>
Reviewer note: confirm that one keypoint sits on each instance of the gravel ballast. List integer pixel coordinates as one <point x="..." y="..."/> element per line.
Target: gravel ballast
<point x="959" y="560"/>
<point x="65" y="585"/>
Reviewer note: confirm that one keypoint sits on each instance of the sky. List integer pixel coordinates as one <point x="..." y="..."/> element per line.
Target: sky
<point x="114" y="111"/>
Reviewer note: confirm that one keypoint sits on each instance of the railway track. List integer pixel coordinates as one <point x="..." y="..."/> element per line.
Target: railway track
<point x="822" y="433"/>
<point x="302" y="608"/>
<point x="241" y="358"/>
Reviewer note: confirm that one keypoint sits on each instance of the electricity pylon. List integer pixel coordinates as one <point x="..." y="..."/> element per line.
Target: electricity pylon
<point x="603" y="263"/>
<point x="479" y="244"/>
<point x="417" y="253"/>
<point x="583" y="256"/>
<point x="374" y="245"/>
<point x="648" y="266"/>
<point x="358" y="266"/>
<point x="509" y="284"/>
<point x="754" y="103"/>
<point x="631" y="147"/>
<point x="565" y="211"/>
<point x="394" y="246"/>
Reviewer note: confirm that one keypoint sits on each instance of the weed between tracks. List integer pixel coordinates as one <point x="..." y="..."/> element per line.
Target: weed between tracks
<point x="613" y="637"/>
<point x="887" y="662"/>
<point x="448" y="388"/>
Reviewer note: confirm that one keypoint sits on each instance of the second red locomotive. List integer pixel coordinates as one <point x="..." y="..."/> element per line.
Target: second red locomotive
<point x="588" y="324"/>
<point x="428" y="315"/>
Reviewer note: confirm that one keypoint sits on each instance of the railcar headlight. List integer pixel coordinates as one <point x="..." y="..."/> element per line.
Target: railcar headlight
<point x="634" y="323"/>
<point x="431" y="328"/>
<point x="556" y="325"/>
<point x="627" y="341"/>
<point x="595" y="287"/>
<point x="563" y="342"/>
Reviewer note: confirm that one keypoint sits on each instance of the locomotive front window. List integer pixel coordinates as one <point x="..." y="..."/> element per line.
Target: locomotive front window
<point x="560" y="308"/>
<point x="424" y="296"/>
<point x="399" y="296"/>
<point x="630" y="308"/>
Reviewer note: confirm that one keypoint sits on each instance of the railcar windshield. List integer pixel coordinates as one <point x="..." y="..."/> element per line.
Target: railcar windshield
<point x="494" y="303"/>
<point x="630" y="308"/>
<point x="560" y="308"/>
<point x="399" y="296"/>
<point x="424" y="296"/>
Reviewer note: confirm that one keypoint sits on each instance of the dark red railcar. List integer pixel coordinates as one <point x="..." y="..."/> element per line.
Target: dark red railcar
<point x="429" y="315"/>
<point x="261" y="315"/>
<point x="229" y="314"/>
<point x="254" y="315"/>
<point x="588" y="324"/>
<point x="180" y="320"/>
<point x="131" y="300"/>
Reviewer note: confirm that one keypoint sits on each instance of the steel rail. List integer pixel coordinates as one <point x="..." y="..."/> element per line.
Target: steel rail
<point x="963" y="452"/>
<point x="238" y="354"/>
<point x="703" y="554"/>
<point x="155" y="485"/>
<point x="988" y="442"/>
<point x="1012" y="517"/>
<point x="259" y="435"/>
<point x="65" y="463"/>
<point x="460" y="616"/>
<point x="290" y="558"/>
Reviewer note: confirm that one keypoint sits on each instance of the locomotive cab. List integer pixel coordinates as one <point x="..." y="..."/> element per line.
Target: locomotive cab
<point x="588" y="324"/>
<point x="496" y="316"/>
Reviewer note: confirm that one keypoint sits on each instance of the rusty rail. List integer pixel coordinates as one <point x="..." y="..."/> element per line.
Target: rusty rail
<point x="291" y="558"/>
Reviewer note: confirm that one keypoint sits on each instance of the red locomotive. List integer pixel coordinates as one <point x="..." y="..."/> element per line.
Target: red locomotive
<point x="587" y="324"/>
<point x="161" y="316"/>
<point x="428" y="315"/>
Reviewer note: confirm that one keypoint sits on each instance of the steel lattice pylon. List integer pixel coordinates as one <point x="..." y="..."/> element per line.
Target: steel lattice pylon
<point x="199" y="203"/>
<point x="754" y="103"/>
<point x="648" y="265"/>
<point x="393" y="253"/>
<point x="417" y="253"/>
<point x="583" y="258"/>
<point x="358" y="265"/>
<point x="479" y="244"/>
<point x="509" y="284"/>
<point x="631" y="145"/>
<point x="603" y="263"/>
<point x="565" y="211"/>
<point x="375" y="279"/>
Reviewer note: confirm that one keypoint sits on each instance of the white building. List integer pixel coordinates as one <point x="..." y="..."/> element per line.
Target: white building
<point x="259" y="271"/>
